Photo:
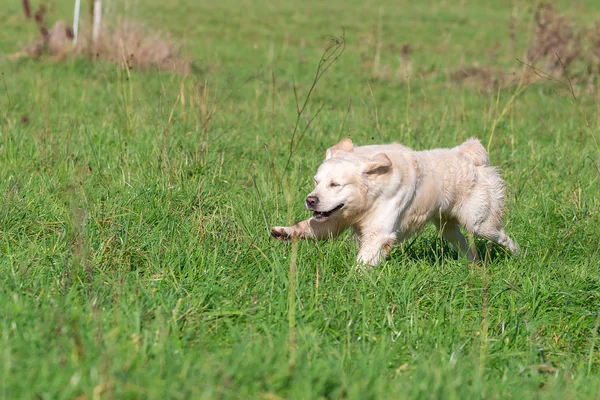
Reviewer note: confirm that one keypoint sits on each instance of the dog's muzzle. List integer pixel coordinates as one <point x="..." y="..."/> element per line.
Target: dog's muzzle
<point x="321" y="215"/>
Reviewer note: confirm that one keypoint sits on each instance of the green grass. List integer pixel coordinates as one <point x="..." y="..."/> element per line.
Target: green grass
<point x="135" y="260"/>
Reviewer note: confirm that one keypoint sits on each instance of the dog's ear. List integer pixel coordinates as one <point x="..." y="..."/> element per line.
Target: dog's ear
<point x="378" y="165"/>
<point x="344" y="145"/>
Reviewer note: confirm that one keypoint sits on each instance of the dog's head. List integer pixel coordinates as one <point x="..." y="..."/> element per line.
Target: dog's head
<point x="346" y="186"/>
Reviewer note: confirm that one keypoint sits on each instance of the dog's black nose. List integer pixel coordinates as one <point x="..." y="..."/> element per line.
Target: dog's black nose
<point x="312" y="201"/>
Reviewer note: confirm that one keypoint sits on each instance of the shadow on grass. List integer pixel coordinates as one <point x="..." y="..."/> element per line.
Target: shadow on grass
<point x="435" y="250"/>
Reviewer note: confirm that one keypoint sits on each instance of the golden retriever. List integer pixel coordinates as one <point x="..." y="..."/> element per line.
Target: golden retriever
<point x="385" y="193"/>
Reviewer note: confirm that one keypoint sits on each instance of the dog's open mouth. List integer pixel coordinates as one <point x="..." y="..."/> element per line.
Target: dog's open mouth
<point x="321" y="215"/>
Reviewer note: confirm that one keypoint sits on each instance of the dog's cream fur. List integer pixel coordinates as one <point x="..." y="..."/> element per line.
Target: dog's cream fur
<point x="385" y="193"/>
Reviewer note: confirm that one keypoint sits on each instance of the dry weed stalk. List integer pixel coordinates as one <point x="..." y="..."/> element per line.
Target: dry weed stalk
<point x="332" y="53"/>
<point x="567" y="84"/>
<point x="552" y="35"/>
<point x="129" y="42"/>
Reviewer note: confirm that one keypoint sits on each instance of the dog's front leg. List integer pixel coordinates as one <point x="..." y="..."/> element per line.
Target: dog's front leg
<point x="308" y="229"/>
<point x="374" y="248"/>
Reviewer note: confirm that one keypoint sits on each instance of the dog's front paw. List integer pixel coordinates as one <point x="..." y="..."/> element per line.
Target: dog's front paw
<point x="280" y="233"/>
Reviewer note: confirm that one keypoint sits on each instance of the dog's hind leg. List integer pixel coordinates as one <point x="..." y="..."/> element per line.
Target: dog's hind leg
<point x="497" y="235"/>
<point x="481" y="214"/>
<point x="451" y="232"/>
<point x="491" y="229"/>
<point x="308" y="229"/>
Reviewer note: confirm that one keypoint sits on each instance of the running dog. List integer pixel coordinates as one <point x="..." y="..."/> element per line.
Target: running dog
<point x="386" y="193"/>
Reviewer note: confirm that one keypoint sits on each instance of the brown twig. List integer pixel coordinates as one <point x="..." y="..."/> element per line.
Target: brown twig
<point x="7" y="112"/>
<point x="374" y="115"/>
<point x="569" y="86"/>
<point x="331" y="54"/>
<point x="345" y="118"/>
<point x="594" y="163"/>
<point x="273" y="125"/>
<point x="26" y="9"/>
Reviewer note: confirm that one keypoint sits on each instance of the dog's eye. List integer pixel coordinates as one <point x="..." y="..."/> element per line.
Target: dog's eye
<point x="316" y="182"/>
<point x="334" y="184"/>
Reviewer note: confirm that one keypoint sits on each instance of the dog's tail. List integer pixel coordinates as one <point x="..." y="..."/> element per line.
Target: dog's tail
<point x="473" y="150"/>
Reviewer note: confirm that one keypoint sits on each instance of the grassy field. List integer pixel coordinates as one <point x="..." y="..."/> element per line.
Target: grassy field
<point x="135" y="259"/>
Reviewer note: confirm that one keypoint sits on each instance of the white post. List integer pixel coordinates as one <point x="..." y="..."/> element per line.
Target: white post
<point x="76" y="21"/>
<point x="97" y="20"/>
